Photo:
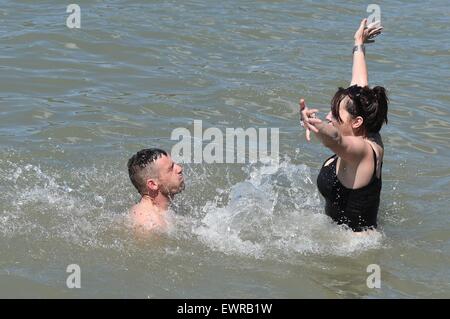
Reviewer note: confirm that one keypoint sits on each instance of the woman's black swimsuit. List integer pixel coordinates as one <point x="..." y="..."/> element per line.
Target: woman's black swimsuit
<point x="357" y="208"/>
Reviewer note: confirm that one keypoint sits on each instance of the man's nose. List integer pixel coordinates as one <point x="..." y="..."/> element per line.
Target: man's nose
<point x="179" y="169"/>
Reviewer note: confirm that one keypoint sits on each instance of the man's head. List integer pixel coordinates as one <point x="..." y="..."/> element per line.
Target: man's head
<point x="152" y="171"/>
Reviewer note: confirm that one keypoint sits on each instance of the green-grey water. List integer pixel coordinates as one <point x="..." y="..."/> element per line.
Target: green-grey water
<point x="75" y="104"/>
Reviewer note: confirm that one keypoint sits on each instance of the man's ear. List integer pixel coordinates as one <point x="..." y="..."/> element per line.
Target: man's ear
<point x="152" y="184"/>
<point x="357" y="122"/>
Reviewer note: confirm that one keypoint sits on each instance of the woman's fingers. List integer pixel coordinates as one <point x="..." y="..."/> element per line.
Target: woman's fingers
<point x="302" y="110"/>
<point x="303" y="114"/>
<point x="307" y="117"/>
<point x="312" y="127"/>
<point x="308" y="113"/>
<point x="314" y="121"/>
<point x="374" y="24"/>
<point x="302" y="104"/>
<point x="363" y="24"/>
<point x="371" y="31"/>
<point x="375" y="31"/>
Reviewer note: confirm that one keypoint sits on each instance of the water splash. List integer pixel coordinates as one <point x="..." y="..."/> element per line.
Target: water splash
<point x="276" y="213"/>
<point x="77" y="206"/>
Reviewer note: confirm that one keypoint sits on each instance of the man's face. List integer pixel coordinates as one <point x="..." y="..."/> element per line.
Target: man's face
<point x="170" y="176"/>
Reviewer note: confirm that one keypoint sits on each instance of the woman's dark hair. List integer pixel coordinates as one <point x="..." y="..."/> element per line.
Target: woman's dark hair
<point x="370" y="104"/>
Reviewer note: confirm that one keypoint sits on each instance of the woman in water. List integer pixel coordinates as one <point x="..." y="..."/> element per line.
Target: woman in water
<point x="350" y="180"/>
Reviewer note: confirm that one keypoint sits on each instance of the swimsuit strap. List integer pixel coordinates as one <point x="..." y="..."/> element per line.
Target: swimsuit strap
<point x="374" y="175"/>
<point x="326" y="161"/>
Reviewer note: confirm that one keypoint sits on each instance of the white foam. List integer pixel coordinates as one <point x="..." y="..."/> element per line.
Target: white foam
<point x="39" y="204"/>
<point x="277" y="213"/>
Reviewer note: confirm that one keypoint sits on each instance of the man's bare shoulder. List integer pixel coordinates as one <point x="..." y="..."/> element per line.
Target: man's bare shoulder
<point x="137" y="211"/>
<point x="140" y="215"/>
<point x="145" y="219"/>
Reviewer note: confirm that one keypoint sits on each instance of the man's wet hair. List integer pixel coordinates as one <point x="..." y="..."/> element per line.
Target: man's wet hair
<point x="140" y="167"/>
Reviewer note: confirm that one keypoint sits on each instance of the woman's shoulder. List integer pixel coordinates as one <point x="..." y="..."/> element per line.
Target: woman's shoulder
<point x="377" y="145"/>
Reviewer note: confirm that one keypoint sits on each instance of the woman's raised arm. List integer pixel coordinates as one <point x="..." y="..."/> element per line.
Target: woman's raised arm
<point x="364" y="34"/>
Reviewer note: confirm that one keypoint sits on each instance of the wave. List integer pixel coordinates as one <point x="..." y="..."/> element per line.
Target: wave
<point x="275" y="212"/>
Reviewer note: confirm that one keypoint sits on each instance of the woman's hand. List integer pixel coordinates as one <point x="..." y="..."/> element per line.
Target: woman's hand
<point x="366" y="33"/>
<point x="308" y="119"/>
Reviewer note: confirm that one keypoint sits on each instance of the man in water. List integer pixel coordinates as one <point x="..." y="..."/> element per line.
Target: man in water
<point x="157" y="179"/>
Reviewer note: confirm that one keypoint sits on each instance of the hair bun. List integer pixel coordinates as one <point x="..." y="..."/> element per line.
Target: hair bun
<point x="380" y="109"/>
